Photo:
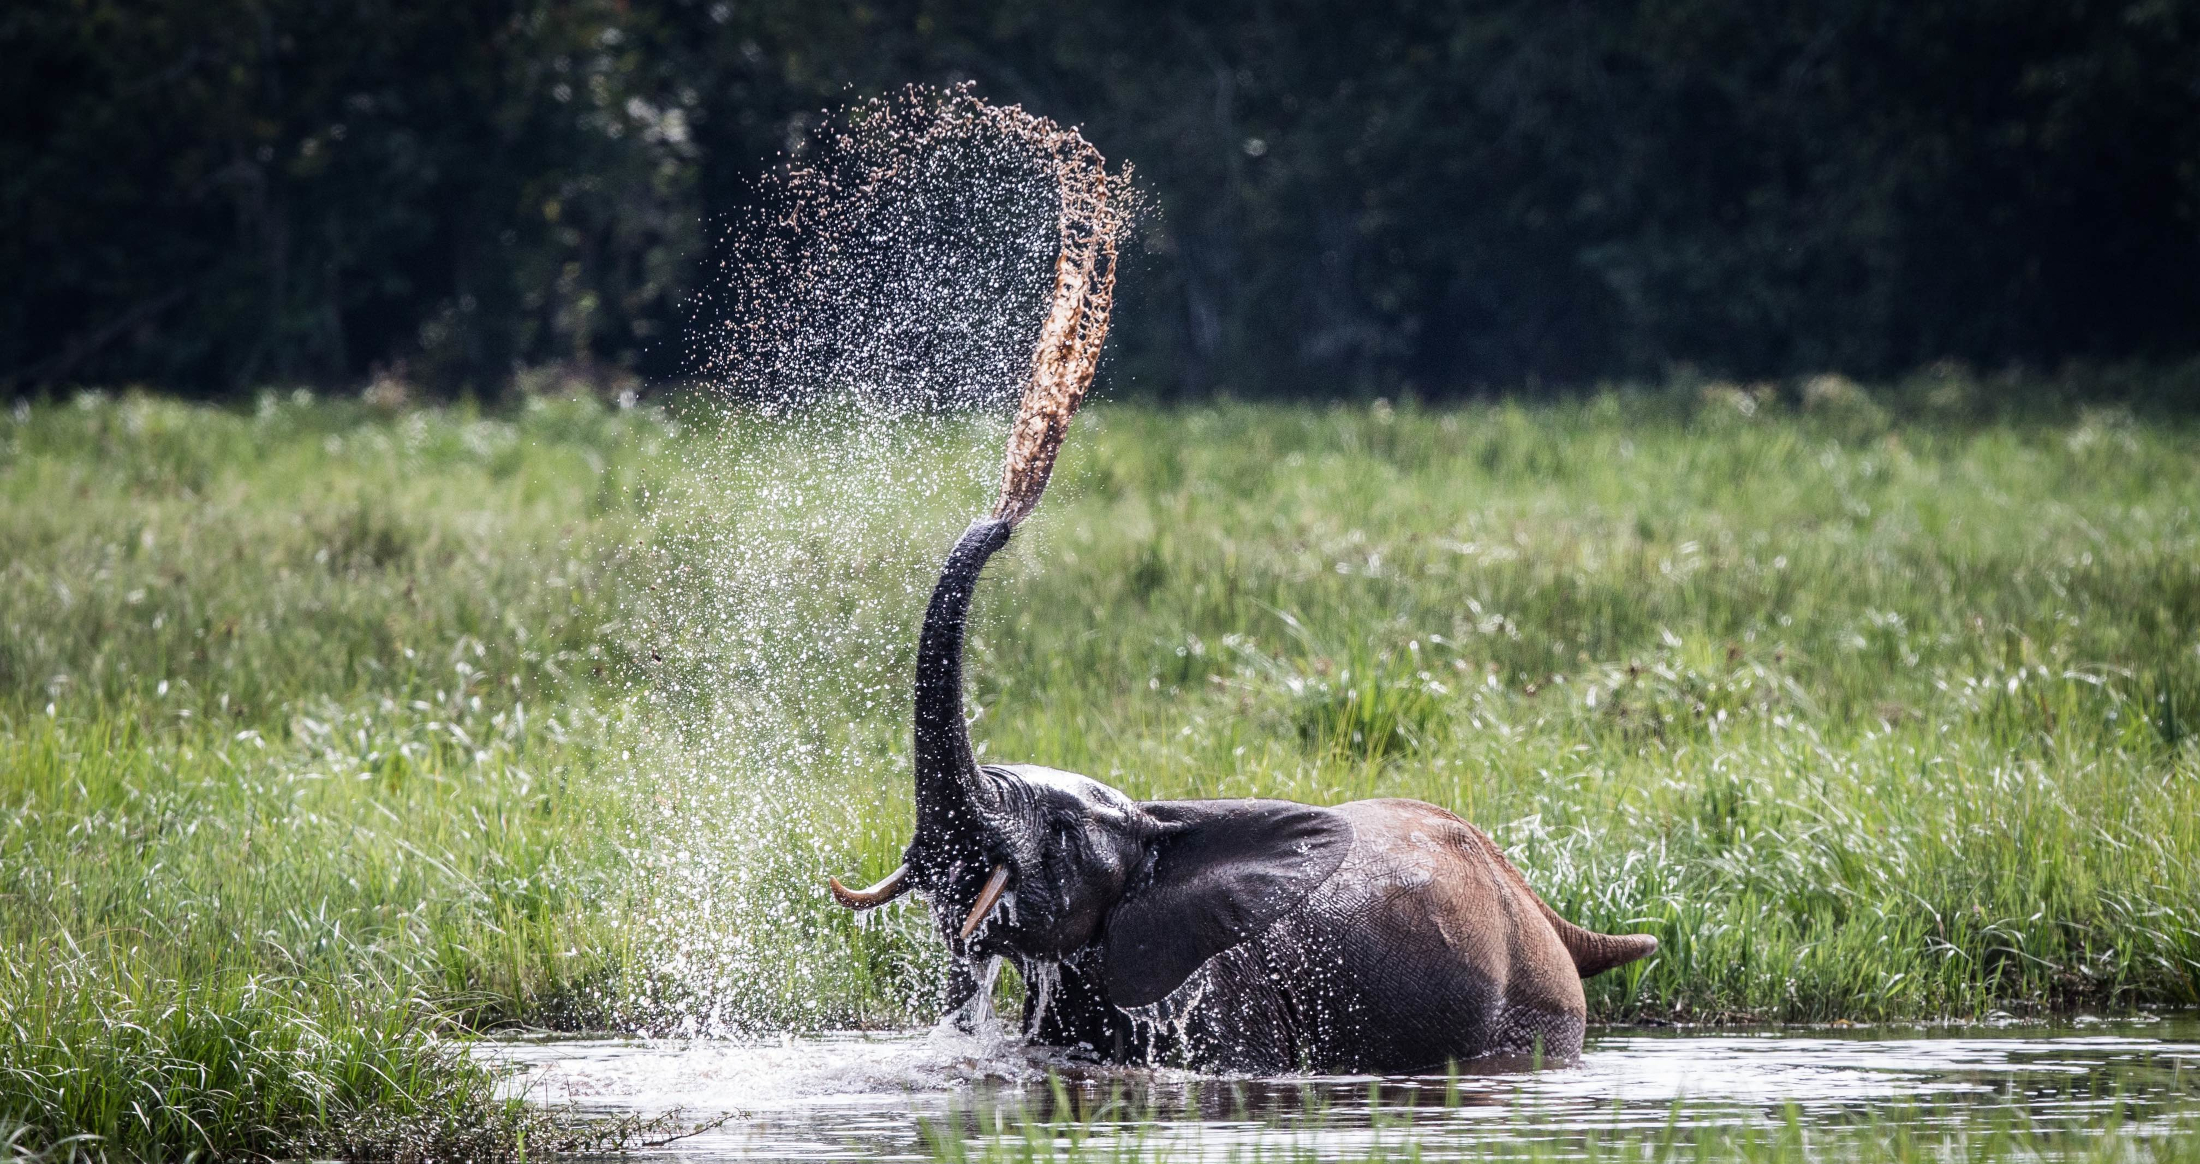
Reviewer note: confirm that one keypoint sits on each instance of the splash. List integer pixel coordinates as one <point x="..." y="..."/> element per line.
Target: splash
<point x="903" y="263"/>
<point x="1092" y="223"/>
<point x="921" y="261"/>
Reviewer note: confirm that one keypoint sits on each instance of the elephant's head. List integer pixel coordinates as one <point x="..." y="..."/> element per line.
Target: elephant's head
<point x="1035" y="863"/>
<point x="1054" y="853"/>
<point x="1012" y="859"/>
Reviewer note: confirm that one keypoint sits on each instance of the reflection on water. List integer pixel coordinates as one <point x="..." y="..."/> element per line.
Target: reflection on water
<point x="868" y="1095"/>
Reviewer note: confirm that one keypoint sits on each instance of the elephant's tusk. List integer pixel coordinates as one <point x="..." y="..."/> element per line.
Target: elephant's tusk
<point x="986" y="899"/>
<point x="896" y="884"/>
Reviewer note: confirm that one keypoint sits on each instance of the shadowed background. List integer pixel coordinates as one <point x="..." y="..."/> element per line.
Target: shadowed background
<point x="1432" y="198"/>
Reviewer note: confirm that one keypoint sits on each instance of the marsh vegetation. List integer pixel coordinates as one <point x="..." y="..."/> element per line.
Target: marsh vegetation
<point x="327" y="733"/>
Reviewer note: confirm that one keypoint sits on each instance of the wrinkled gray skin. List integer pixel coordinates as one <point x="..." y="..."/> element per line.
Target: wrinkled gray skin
<point x="1248" y="935"/>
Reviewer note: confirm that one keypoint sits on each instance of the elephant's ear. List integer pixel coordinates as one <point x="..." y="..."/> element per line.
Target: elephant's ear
<point x="1226" y="870"/>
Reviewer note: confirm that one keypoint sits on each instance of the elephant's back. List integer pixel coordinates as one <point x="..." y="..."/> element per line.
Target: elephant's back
<point x="1453" y="916"/>
<point x="1422" y="948"/>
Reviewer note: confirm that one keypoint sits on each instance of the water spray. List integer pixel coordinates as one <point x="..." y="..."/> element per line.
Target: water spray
<point x="923" y="267"/>
<point x="1090" y="226"/>
<point x="1068" y="351"/>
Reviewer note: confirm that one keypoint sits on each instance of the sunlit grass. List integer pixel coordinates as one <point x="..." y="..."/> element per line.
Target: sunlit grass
<point x="1117" y="1133"/>
<point x="314" y="720"/>
<point x="294" y="777"/>
<point x="1859" y="728"/>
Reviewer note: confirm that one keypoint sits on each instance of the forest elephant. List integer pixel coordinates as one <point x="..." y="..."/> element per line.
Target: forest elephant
<point x="1242" y="935"/>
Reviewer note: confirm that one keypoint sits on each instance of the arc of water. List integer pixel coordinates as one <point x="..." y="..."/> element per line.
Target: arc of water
<point x="1092" y="223"/>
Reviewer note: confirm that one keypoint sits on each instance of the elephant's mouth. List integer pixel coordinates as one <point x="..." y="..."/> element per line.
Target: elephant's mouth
<point x="898" y="883"/>
<point x="988" y="898"/>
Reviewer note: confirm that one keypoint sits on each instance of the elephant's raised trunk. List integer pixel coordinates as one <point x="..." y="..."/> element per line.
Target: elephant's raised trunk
<point x="951" y="796"/>
<point x="955" y="799"/>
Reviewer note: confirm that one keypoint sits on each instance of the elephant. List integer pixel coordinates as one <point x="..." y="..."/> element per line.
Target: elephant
<point x="1258" y="936"/>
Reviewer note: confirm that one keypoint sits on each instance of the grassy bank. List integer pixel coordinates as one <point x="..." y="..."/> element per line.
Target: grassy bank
<point x="287" y="799"/>
<point x="326" y="734"/>
<point x="1871" y="1139"/>
<point x="1861" y="724"/>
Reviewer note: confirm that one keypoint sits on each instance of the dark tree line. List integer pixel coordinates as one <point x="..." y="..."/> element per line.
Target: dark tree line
<point x="215" y="194"/>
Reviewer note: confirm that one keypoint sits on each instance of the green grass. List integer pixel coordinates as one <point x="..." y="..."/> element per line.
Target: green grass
<point x="1123" y="1135"/>
<point x="328" y="735"/>
<point x="295" y="777"/>
<point x="1859" y="728"/>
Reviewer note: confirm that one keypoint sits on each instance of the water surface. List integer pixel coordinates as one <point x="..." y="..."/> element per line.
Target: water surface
<point x="871" y="1096"/>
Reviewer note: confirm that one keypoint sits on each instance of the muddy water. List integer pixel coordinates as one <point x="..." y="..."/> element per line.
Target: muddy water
<point x="871" y="1096"/>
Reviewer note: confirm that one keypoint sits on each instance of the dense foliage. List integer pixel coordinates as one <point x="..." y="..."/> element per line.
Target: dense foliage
<point x="1435" y="195"/>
